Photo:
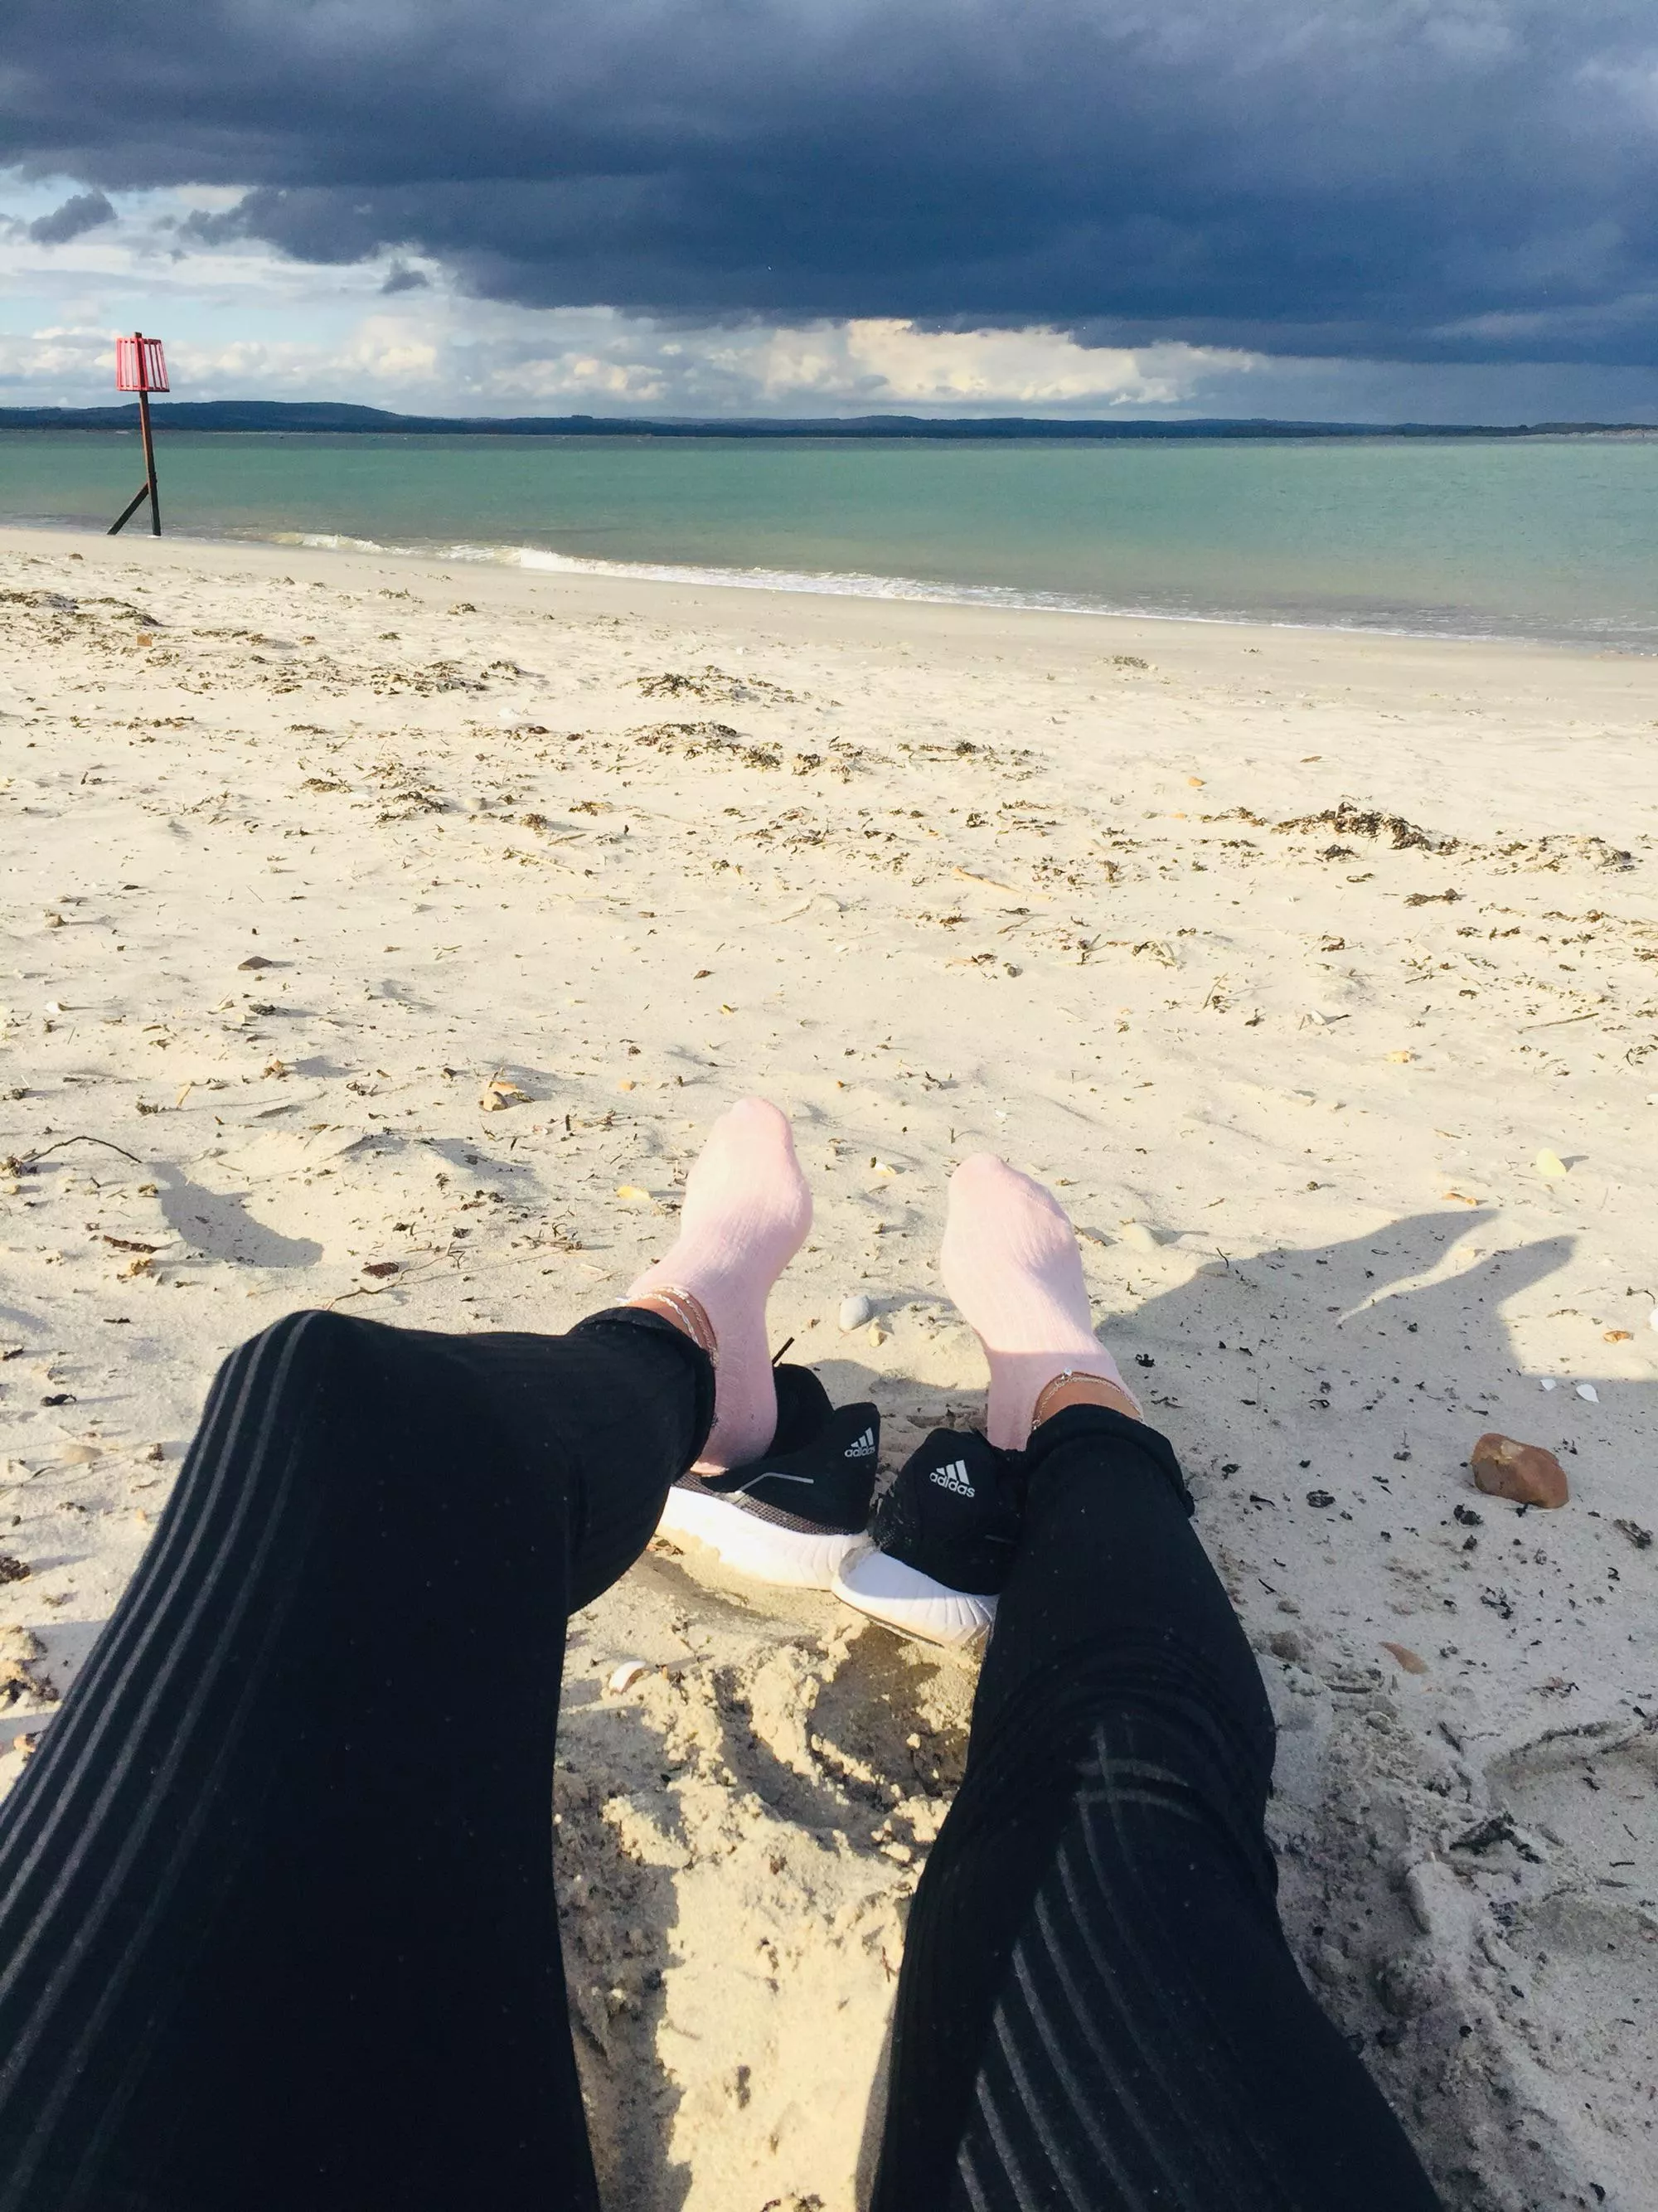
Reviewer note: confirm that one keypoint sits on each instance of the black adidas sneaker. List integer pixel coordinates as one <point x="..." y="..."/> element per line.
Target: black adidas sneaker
<point x="791" y="1515"/>
<point x="941" y="1542"/>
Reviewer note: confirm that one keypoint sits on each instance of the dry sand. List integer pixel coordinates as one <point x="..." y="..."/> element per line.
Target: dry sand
<point x="1285" y="954"/>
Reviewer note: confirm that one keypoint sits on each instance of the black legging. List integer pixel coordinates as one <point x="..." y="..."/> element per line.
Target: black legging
<point x="277" y="1929"/>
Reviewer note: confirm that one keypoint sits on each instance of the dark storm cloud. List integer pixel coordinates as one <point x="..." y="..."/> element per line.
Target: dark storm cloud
<point x="84" y="211"/>
<point x="1427" y="179"/>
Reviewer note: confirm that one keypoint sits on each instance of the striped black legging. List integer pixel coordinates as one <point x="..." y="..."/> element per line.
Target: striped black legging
<point x="277" y="1918"/>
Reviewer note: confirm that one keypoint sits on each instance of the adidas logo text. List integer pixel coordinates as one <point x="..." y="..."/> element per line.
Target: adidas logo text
<point x="862" y="1449"/>
<point x="953" y="1478"/>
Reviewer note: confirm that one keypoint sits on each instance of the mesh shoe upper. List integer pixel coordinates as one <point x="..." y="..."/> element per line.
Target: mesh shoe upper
<point x="954" y="1512"/>
<point x="819" y="1473"/>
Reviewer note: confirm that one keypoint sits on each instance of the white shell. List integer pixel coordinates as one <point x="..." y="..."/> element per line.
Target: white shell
<point x="1139" y="1238"/>
<point x="856" y="1310"/>
<point x="1549" y="1383"/>
<point x="624" y="1676"/>
<point x="1588" y="1390"/>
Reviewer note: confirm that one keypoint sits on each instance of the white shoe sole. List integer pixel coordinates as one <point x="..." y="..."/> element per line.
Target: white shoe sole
<point x="792" y="1559"/>
<point x="907" y="1600"/>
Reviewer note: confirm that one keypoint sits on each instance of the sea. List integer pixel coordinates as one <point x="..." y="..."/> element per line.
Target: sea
<point x="1549" y="537"/>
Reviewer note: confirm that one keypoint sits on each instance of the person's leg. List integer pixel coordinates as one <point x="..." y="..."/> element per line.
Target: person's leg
<point x="276" y="1918"/>
<point x="276" y="1921"/>
<point x="1097" y="2009"/>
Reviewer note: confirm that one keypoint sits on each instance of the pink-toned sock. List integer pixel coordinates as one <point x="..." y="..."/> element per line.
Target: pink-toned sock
<point x="1012" y="1265"/>
<point x="746" y="1213"/>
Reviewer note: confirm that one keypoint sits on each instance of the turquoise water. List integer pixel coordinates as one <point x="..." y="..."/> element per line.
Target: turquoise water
<point x="1551" y="538"/>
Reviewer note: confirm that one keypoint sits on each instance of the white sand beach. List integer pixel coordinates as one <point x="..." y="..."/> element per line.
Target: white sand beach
<point x="1318" y="972"/>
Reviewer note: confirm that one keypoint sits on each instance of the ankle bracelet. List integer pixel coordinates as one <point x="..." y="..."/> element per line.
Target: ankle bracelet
<point x="1075" y="1375"/>
<point x="689" y="1313"/>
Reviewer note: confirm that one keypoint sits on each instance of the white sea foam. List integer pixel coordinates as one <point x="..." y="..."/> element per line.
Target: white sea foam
<point x="333" y="541"/>
<point x="852" y="583"/>
<point x="856" y="584"/>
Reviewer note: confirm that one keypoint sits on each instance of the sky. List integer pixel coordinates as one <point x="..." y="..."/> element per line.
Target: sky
<point x="1430" y="210"/>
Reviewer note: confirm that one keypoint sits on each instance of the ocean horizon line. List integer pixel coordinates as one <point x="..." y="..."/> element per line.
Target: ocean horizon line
<point x="314" y="416"/>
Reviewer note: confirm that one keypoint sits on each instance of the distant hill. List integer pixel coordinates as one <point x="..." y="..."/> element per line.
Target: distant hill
<point x="321" y="414"/>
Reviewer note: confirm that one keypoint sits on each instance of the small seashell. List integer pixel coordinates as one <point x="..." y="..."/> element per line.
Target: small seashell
<point x="877" y="1334"/>
<point x="1550" y="1164"/>
<point x="856" y="1310"/>
<point x="1588" y="1390"/>
<point x="500" y="1092"/>
<point x="1548" y="1382"/>
<point x="624" y="1676"/>
<point x="1139" y="1238"/>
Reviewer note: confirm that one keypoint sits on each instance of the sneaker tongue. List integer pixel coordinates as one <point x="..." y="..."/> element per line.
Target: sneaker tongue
<point x="802" y="1406"/>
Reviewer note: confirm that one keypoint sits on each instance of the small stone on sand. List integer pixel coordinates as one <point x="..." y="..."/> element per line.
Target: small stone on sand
<point x="1525" y="1472"/>
<point x="856" y="1310"/>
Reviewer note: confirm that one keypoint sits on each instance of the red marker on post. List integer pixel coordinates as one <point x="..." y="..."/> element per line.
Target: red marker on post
<point x="141" y="367"/>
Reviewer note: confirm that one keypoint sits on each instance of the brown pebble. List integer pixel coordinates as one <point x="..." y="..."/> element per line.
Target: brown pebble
<point x="1525" y="1472"/>
<point x="1411" y="1662"/>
